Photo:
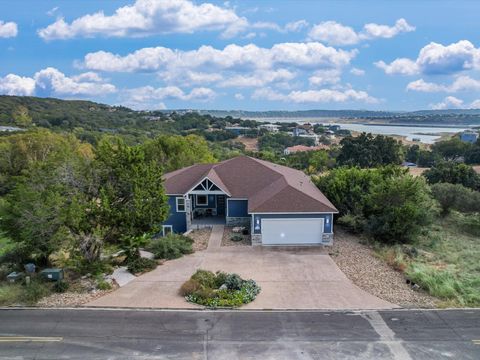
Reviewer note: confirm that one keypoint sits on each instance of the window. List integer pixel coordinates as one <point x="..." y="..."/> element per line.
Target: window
<point x="202" y="200"/>
<point x="180" y="204"/>
<point x="167" y="229"/>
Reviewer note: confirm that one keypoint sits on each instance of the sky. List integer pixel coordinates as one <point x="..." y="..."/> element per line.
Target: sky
<point x="248" y="55"/>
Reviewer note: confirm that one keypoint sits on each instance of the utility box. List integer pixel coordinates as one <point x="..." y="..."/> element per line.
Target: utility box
<point x="15" y="276"/>
<point x="52" y="274"/>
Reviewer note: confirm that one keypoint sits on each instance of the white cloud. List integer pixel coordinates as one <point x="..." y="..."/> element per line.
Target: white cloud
<point x="314" y="96"/>
<point x="401" y="66"/>
<point x="357" y="71"/>
<point x="259" y="78"/>
<point x="334" y="33"/>
<point x="475" y="104"/>
<point x="461" y="83"/>
<point x="147" y="17"/>
<point x="325" y="77"/>
<point x="296" y="26"/>
<point x="239" y="96"/>
<point x="17" y="85"/>
<point x="232" y="57"/>
<point x="436" y="58"/>
<point x="448" y="103"/>
<point x="52" y="11"/>
<point x="372" y="30"/>
<point x="148" y="97"/>
<point x="51" y="82"/>
<point x="8" y="29"/>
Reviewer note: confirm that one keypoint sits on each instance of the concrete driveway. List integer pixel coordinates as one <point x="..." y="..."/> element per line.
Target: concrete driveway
<point x="290" y="278"/>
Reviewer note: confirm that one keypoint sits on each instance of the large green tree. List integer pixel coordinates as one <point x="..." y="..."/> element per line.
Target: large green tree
<point x="368" y="151"/>
<point x="132" y="199"/>
<point x="174" y="152"/>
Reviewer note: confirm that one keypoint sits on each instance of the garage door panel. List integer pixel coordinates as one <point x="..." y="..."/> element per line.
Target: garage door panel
<point x="292" y="231"/>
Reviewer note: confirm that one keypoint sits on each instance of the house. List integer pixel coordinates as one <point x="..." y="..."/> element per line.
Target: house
<point x="299" y="131"/>
<point x="237" y="130"/>
<point x="270" y="127"/>
<point x="302" y="148"/>
<point x="279" y="205"/>
<point x="469" y="136"/>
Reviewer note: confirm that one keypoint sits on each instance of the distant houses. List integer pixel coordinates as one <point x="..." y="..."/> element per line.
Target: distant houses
<point x="270" y="127"/>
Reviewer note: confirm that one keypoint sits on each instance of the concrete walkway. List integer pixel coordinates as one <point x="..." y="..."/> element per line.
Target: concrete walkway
<point x="290" y="278"/>
<point x="215" y="241"/>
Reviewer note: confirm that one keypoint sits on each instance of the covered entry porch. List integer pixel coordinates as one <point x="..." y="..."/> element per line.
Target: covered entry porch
<point x="207" y="205"/>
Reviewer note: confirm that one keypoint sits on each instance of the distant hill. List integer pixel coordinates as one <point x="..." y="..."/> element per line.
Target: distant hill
<point x="49" y="112"/>
<point x="92" y="116"/>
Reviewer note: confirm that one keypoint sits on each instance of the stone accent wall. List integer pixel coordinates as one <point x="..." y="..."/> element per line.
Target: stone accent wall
<point x="256" y="239"/>
<point x="238" y="221"/>
<point x="327" y="239"/>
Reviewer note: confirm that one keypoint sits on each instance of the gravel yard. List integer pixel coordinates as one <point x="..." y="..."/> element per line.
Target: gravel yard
<point x="200" y="238"/>
<point x="82" y="293"/>
<point x="373" y="275"/>
<point x="227" y="234"/>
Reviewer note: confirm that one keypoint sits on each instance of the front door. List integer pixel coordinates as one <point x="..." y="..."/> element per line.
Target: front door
<point x="220" y="204"/>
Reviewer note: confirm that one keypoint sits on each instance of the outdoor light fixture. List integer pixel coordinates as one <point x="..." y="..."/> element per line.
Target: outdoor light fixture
<point x="257" y="224"/>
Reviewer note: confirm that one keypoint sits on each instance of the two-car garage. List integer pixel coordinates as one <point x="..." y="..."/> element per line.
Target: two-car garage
<point x="292" y="231"/>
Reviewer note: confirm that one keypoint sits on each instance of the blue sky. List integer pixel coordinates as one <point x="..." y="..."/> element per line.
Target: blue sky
<point x="252" y="55"/>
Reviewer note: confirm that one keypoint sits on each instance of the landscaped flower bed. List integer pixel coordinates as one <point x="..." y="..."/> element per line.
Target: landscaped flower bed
<point x="219" y="289"/>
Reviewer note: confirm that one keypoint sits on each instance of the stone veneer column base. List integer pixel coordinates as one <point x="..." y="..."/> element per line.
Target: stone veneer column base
<point x="238" y="221"/>
<point x="256" y="239"/>
<point x="327" y="239"/>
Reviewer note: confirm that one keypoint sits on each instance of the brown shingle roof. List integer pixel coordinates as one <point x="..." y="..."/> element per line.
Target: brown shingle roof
<point x="268" y="187"/>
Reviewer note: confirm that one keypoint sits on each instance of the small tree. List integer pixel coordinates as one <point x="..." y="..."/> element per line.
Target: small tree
<point x="396" y="209"/>
<point x="456" y="197"/>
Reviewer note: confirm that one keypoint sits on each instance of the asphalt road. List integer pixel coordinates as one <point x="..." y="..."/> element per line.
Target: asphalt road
<point x="121" y="334"/>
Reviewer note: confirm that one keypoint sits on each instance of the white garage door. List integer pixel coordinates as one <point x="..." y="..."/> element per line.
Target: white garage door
<point x="292" y="231"/>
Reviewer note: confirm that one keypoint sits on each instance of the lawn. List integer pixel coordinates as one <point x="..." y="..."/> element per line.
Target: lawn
<point x="445" y="261"/>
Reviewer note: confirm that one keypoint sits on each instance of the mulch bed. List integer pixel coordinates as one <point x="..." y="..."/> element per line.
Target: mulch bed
<point x="200" y="238"/>
<point x="227" y="234"/>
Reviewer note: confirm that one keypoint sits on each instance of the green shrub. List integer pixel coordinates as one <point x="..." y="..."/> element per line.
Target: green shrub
<point x="34" y="292"/>
<point x="171" y="246"/>
<point x="10" y="294"/>
<point x="60" y="286"/>
<point x="470" y="224"/>
<point x="205" y="278"/>
<point x="352" y="223"/>
<point x="205" y="288"/>
<point x="236" y="237"/>
<point x="139" y="265"/>
<point x="233" y="282"/>
<point x="456" y="197"/>
<point x="103" y="285"/>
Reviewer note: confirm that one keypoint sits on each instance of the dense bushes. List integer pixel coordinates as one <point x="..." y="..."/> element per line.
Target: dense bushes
<point x="456" y="197"/>
<point x="140" y="265"/>
<point x="219" y="289"/>
<point x="454" y="173"/>
<point x="171" y="246"/>
<point x="386" y="203"/>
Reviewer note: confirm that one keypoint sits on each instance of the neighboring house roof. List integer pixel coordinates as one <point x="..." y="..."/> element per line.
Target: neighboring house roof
<point x="268" y="187"/>
<point x="301" y="148"/>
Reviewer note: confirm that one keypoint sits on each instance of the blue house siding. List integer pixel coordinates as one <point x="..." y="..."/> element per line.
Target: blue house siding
<point x="178" y="220"/>
<point x="237" y="208"/>
<point x="327" y="223"/>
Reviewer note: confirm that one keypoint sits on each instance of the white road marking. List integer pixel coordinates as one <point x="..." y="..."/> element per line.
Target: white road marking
<point x="387" y="336"/>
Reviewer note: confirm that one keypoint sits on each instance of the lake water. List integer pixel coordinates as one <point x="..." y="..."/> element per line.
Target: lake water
<point x="426" y="134"/>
